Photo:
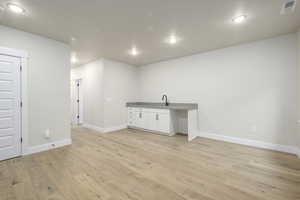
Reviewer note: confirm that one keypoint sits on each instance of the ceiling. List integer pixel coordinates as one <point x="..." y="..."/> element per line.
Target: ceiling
<point x="109" y="28"/>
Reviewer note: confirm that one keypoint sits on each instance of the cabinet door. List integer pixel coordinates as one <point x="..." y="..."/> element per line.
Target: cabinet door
<point x="131" y="121"/>
<point x="140" y="120"/>
<point x="150" y="122"/>
<point x="163" y="122"/>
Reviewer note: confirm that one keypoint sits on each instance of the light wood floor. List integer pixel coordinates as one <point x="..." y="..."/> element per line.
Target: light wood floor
<point x="140" y="166"/>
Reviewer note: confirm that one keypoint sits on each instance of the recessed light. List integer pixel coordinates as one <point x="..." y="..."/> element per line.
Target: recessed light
<point x="239" y="19"/>
<point x="15" y="8"/>
<point x="134" y="51"/>
<point x="172" y="39"/>
<point x="74" y="59"/>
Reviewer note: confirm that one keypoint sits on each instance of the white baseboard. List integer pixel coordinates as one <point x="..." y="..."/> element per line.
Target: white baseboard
<point x="104" y="130"/>
<point x="247" y="142"/>
<point x="48" y="146"/>
<point x="252" y="143"/>
<point x="93" y="127"/>
<point x="115" y="128"/>
<point x="191" y="137"/>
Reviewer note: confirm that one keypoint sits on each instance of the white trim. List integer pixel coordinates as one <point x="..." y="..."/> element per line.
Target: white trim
<point x="48" y="146"/>
<point x="115" y="128"/>
<point x="252" y="143"/>
<point x="24" y="92"/>
<point x="104" y="130"/>
<point x="247" y="142"/>
<point x="93" y="127"/>
<point x="191" y="137"/>
<point x="13" y="52"/>
<point x="24" y="110"/>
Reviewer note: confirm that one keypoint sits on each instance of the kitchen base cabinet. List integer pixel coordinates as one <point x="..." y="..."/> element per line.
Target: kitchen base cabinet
<point x="162" y="122"/>
<point x="156" y="120"/>
<point x="164" y="119"/>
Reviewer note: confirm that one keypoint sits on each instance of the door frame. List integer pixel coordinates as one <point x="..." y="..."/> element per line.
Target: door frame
<point x="77" y="91"/>
<point x="80" y="103"/>
<point x="23" y="55"/>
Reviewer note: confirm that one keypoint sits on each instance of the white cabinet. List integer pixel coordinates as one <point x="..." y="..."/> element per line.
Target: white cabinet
<point x="131" y="118"/>
<point x="135" y="118"/>
<point x="149" y="121"/>
<point x="162" y="122"/>
<point x="141" y="119"/>
<point x="157" y="120"/>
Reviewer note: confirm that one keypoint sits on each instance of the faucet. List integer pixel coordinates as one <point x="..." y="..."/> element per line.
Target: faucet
<point x="165" y="97"/>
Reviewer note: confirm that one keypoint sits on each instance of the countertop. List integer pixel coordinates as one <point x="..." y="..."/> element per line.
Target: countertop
<point x="171" y="106"/>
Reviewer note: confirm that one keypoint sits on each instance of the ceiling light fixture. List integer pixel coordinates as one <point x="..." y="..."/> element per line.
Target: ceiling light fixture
<point x="172" y="39"/>
<point x="15" y="8"/>
<point x="134" y="51"/>
<point x="239" y="19"/>
<point x="74" y="59"/>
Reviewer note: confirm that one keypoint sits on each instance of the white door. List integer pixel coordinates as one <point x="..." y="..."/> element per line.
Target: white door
<point x="10" y="107"/>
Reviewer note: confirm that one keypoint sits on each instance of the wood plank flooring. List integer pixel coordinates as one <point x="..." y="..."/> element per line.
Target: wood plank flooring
<point x="135" y="165"/>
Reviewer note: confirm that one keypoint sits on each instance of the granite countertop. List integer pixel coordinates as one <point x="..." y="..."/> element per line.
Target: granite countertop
<point x="171" y="106"/>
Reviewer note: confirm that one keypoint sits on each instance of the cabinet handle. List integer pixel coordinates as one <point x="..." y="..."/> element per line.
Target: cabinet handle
<point x="157" y="117"/>
<point x="140" y="115"/>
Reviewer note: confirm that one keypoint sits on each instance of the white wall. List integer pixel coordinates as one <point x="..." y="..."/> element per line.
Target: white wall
<point x="120" y="86"/>
<point x="107" y="86"/>
<point x="48" y="84"/>
<point x="92" y="85"/>
<point x="247" y="91"/>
